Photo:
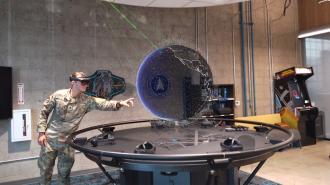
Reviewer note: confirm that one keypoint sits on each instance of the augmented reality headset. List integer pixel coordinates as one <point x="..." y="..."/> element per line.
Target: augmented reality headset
<point x="80" y="79"/>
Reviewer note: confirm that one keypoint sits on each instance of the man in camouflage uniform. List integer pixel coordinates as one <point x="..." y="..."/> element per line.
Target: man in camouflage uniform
<point x="66" y="109"/>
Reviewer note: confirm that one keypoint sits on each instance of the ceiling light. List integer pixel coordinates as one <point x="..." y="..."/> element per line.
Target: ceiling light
<point x="323" y="1"/>
<point x="314" y="32"/>
<point x="175" y="3"/>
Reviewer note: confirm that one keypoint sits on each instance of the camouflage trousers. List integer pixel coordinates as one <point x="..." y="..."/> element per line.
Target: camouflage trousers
<point x="46" y="161"/>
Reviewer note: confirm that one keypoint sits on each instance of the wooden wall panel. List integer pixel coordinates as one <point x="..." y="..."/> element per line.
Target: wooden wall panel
<point x="313" y="15"/>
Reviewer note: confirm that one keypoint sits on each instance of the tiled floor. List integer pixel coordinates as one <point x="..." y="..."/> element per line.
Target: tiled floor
<point x="307" y="166"/>
<point x="95" y="177"/>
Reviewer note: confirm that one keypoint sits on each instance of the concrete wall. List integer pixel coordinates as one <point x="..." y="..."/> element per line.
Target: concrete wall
<point x="46" y="40"/>
<point x="276" y="47"/>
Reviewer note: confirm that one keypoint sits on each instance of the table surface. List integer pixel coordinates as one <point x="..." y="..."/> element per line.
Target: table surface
<point x="192" y="140"/>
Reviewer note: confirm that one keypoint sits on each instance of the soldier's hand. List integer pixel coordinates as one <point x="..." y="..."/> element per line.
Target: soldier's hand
<point x="127" y="103"/>
<point x="42" y="139"/>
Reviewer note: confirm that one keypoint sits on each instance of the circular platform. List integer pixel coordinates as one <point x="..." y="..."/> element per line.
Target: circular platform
<point x="174" y="147"/>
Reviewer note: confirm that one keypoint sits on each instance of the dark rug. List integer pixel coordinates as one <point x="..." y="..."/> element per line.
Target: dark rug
<point x="98" y="178"/>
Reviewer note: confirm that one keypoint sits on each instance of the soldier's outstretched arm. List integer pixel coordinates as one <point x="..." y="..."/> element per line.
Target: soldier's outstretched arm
<point x="106" y="105"/>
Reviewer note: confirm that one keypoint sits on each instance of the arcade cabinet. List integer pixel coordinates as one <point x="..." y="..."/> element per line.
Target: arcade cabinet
<point x="291" y="92"/>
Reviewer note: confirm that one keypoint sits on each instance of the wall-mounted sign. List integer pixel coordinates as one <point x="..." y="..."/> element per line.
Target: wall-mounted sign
<point x="20" y="96"/>
<point x="21" y="125"/>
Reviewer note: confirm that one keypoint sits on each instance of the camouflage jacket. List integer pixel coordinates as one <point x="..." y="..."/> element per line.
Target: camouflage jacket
<point x="67" y="112"/>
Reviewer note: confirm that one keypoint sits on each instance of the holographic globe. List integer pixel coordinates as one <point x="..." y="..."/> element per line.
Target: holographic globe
<point x="174" y="82"/>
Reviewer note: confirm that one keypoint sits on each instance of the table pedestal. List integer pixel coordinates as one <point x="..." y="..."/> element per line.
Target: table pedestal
<point x="213" y="177"/>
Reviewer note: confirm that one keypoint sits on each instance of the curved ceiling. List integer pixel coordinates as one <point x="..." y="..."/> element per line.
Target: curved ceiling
<point x="175" y="3"/>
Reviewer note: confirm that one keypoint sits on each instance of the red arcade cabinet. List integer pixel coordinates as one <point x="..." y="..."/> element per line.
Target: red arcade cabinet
<point x="291" y="92"/>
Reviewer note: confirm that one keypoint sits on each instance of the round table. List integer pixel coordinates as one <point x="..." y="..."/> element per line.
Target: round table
<point x="196" y="152"/>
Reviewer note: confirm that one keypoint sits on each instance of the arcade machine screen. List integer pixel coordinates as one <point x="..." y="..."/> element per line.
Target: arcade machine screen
<point x="297" y="98"/>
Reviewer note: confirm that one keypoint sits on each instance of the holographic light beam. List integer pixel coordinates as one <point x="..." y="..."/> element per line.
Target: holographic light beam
<point x="131" y="23"/>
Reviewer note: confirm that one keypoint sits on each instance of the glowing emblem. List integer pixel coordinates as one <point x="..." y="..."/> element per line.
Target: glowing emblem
<point x="159" y="85"/>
